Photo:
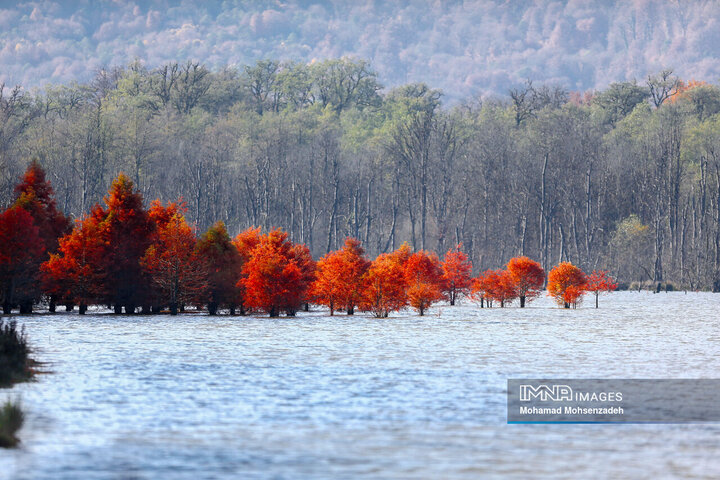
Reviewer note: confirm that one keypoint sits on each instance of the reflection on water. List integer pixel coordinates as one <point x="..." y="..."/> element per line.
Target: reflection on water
<point x="328" y="397"/>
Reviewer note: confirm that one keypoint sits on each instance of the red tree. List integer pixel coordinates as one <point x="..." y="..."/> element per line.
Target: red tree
<point x="423" y="277"/>
<point x="128" y="230"/>
<point x="21" y="253"/>
<point x="276" y="277"/>
<point x="600" y="281"/>
<point x="35" y="194"/>
<point x="178" y="274"/>
<point x="501" y="288"/>
<point x="456" y="271"/>
<point x="527" y="276"/>
<point x="75" y="274"/>
<point x="339" y="277"/>
<point x="479" y="289"/>
<point x="224" y="265"/>
<point x="385" y="285"/>
<point x="566" y="283"/>
<point x="494" y="286"/>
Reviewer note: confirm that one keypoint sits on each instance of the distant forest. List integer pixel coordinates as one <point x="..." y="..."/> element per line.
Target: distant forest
<point x="625" y="179"/>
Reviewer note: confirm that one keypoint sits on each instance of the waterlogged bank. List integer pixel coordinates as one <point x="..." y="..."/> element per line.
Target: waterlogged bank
<point x="315" y="396"/>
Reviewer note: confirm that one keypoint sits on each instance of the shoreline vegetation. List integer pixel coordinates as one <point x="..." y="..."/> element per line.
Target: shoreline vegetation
<point x="132" y="258"/>
<point x="15" y="366"/>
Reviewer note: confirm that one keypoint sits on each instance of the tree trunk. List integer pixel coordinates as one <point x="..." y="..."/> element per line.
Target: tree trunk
<point x="212" y="308"/>
<point x="566" y="305"/>
<point x="117" y="308"/>
<point x="26" y="307"/>
<point x="522" y="301"/>
<point x="351" y="310"/>
<point x="597" y="296"/>
<point x="69" y="307"/>
<point x="173" y="309"/>
<point x="52" y="306"/>
<point x="82" y="309"/>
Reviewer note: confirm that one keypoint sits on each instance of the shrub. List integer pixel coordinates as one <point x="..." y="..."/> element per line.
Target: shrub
<point x="14" y="363"/>
<point x="11" y="419"/>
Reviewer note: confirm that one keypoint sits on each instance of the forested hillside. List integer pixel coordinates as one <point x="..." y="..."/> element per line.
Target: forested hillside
<point x="465" y="48"/>
<point x="627" y="178"/>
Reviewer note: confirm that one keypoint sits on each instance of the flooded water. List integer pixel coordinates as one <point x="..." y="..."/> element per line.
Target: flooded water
<point x="357" y="397"/>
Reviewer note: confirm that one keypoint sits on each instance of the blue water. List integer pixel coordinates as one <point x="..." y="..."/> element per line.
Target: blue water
<point x="356" y="397"/>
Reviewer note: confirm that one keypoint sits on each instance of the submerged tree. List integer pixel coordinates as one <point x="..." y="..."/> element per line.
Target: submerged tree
<point x="178" y="274"/>
<point x="21" y="252"/>
<point x="276" y="279"/>
<point x="339" y="278"/>
<point x="224" y="266"/>
<point x="75" y="274"/>
<point x="423" y="277"/>
<point x="566" y="284"/>
<point x="600" y="281"/>
<point x="385" y="287"/>
<point x="527" y="276"/>
<point x="456" y="274"/>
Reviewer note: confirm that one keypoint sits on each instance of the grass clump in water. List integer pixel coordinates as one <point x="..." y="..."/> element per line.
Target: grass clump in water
<point x="11" y="420"/>
<point x="14" y="360"/>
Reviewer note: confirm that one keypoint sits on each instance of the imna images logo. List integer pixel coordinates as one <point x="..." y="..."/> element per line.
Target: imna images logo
<point x="553" y="393"/>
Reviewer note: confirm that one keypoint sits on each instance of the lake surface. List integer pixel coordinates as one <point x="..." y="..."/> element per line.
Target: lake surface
<point x="357" y="397"/>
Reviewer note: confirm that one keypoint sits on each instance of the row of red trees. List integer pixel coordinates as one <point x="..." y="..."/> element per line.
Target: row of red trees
<point x="128" y="257"/>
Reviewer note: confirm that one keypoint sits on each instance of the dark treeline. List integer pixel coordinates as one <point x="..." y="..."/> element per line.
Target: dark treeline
<point x="626" y="179"/>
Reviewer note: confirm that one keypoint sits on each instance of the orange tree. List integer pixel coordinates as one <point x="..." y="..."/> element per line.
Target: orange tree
<point x="74" y="274"/>
<point x="21" y="253"/>
<point x="423" y="277"/>
<point x="224" y="264"/>
<point x="245" y="242"/>
<point x="500" y="287"/>
<point x="385" y="285"/>
<point x="277" y="276"/>
<point x="339" y="277"/>
<point x="479" y="289"/>
<point x="600" y="281"/>
<point x="456" y="271"/>
<point x="527" y="276"/>
<point x="566" y="284"/>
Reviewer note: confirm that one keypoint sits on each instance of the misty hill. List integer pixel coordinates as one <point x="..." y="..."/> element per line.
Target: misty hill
<point x="464" y="48"/>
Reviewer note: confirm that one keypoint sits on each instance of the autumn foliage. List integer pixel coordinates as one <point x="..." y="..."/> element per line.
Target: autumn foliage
<point x="456" y="275"/>
<point x="178" y="273"/>
<point x="495" y="286"/>
<point x="27" y="238"/>
<point x="600" y="281"/>
<point x="339" y="280"/>
<point x="423" y="277"/>
<point x="224" y="264"/>
<point x="527" y="277"/>
<point x="126" y="256"/>
<point x="21" y="252"/>
<point x="385" y="287"/>
<point x="277" y="276"/>
<point x="567" y="284"/>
